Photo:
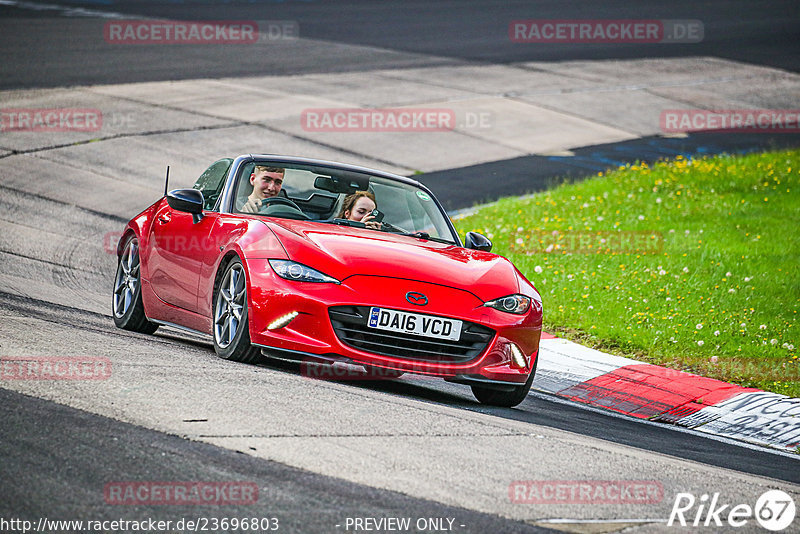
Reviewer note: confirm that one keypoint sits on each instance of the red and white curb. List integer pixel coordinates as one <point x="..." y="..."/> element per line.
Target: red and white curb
<point x="656" y="393"/>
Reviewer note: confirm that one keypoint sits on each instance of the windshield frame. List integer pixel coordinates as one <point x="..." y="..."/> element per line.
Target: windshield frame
<point x="227" y="198"/>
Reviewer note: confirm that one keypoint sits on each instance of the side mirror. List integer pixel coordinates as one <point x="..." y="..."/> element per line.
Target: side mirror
<point x="187" y="200"/>
<point x="477" y="241"/>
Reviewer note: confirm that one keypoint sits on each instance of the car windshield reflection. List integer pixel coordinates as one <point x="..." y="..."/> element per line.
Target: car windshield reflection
<point x="339" y="196"/>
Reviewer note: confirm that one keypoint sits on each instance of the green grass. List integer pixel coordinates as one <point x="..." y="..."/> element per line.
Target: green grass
<point x="707" y="280"/>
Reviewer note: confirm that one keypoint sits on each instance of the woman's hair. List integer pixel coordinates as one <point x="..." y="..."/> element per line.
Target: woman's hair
<point x="350" y="201"/>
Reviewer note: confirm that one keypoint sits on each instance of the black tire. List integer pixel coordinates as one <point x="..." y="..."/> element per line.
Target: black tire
<point x="126" y="298"/>
<point x="505" y="399"/>
<point x="229" y="317"/>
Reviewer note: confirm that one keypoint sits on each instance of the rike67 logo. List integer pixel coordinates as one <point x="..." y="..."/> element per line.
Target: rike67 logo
<point x="774" y="510"/>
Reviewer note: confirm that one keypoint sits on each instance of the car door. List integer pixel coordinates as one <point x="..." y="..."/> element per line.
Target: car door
<point x="177" y="244"/>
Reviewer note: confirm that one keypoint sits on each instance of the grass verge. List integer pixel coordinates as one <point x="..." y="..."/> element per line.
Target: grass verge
<point x="690" y="264"/>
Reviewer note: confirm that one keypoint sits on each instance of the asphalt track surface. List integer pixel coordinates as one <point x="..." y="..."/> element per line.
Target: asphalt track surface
<point x="56" y="458"/>
<point x="68" y="490"/>
<point x="45" y="48"/>
<point x="489" y="181"/>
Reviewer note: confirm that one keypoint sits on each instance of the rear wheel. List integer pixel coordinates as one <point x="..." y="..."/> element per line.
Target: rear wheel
<point x="504" y="398"/>
<point x="126" y="300"/>
<point x="231" y="331"/>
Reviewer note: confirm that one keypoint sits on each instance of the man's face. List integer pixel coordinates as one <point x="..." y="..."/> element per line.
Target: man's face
<point x="266" y="184"/>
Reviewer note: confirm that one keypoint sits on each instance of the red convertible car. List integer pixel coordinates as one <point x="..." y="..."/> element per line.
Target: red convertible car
<point x="284" y="270"/>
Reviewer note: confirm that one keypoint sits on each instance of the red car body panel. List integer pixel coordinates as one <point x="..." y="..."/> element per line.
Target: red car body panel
<point x="181" y="260"/>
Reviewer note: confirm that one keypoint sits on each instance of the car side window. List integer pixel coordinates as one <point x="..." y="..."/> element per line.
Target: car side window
<point x="211" y="182"/>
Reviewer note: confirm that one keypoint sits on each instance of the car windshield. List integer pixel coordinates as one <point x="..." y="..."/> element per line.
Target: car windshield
<point x="320" y="194"/>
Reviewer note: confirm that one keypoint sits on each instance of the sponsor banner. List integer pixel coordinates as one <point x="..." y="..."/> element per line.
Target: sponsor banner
<point x="755" y="416"/>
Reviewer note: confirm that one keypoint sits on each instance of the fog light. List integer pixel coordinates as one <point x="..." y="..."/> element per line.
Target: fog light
<point x="518" y="357"/>
<point x="282" y="321"/>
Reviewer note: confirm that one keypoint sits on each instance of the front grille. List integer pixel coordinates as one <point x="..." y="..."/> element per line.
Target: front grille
<point x="350" y="325"/>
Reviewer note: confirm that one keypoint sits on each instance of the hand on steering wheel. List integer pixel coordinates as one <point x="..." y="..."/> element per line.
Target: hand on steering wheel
<point x="265" y="202"/>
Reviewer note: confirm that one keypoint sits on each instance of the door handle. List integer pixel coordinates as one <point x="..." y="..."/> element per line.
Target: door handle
<point x="164" y="219"/>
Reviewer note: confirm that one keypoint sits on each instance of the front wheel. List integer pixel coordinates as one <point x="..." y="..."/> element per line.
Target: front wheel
<point x="126" y="300"/>
<point x="231" y="332"/>
<point x="504" y="398"/>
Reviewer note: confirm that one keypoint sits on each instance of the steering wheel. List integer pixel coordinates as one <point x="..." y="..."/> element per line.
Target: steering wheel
<point x="265" y="202"/>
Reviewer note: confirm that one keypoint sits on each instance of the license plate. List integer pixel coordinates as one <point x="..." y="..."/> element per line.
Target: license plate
<point x="414" y="323"/>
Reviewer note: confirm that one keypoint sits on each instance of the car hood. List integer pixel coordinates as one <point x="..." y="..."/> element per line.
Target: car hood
<point x="342" y="251"/>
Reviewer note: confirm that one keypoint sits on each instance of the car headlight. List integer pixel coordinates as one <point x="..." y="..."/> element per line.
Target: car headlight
<point x="517" y="304"/>
<point x="291" y="270"/>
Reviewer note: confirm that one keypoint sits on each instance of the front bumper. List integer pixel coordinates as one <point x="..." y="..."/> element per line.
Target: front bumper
<point x="314" y="329"/>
